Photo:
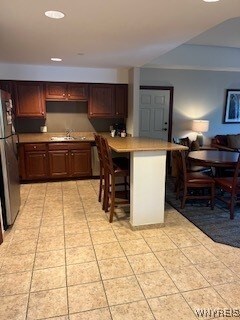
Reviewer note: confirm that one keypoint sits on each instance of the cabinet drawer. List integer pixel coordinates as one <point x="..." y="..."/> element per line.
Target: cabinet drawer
<point x="58" y="146"/>
<point x="69" y="146"/>
<point x="35" y="147"/>
<point x="79" y="146"/>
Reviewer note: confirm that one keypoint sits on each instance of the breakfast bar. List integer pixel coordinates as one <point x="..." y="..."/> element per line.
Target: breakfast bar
<point x="147" y="180"/>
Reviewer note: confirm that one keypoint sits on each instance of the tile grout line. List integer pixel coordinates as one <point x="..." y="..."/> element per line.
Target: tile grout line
<point x="27" y="309"/>
<point x="96" y="256"/>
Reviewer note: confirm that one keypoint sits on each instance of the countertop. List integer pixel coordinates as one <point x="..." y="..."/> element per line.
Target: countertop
<point x="127" y="144"/>
<point x="46" y="137"/>
<point x="130" y="144"/>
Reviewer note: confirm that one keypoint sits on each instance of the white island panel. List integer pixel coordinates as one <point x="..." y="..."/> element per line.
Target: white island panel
<point x="147" y="182"/>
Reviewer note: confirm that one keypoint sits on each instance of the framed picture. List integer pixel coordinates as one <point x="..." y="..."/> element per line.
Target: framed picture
<point x="232" y="106"/>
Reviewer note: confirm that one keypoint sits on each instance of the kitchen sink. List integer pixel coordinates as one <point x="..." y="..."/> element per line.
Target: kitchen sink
<point x="62" y="138"/>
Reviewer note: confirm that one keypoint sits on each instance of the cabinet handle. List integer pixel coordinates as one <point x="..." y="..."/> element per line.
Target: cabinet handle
<point x="42" y="113"/>
<point x="116" y="112"/>
<point x="72" y="154"/>
<point x="34" y="147"/>
<point x="69" y="95"/>
<point x="44" y="156"/>
<point x="63" y="94"/>
<point x="66" y="154"/>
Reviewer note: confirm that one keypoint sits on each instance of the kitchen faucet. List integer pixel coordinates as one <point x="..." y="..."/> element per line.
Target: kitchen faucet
<point x="68" y="132"/>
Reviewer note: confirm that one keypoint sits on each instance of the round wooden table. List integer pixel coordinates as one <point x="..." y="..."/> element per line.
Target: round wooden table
<point x="214" y="158"/>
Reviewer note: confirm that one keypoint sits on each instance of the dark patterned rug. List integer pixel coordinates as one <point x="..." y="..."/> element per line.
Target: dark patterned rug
<point x="214" y="223"/>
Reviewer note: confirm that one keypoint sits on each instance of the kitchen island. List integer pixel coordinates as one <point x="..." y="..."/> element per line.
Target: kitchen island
<point x="147" y="177"/>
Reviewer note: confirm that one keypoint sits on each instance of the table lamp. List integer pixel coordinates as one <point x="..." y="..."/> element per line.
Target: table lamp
<point x="200" y="126"/>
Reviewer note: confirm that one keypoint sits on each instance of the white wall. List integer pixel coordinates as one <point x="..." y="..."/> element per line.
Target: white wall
<point x="197" y="95"/>
<point x="46" y="73"/>
<point x="133" y="102"/>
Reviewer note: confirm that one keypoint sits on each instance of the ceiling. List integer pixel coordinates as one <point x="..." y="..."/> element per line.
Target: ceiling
<point x="107" y="33"/>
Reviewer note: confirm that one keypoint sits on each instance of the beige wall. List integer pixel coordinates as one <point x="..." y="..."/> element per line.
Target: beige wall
<point x="197" y="95"/>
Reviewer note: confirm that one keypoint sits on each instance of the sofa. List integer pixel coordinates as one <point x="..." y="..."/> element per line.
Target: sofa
<point x="226" y="142"/>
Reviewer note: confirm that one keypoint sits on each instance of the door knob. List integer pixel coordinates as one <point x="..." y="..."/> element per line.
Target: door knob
<point x="165" y="129"/>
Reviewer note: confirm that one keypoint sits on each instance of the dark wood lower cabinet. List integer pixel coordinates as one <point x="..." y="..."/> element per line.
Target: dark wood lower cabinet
<point x="80" y="163"/>
<point x="54" y="160"/>
<point x="36" y="165"/>
<point x="58" y="164"/>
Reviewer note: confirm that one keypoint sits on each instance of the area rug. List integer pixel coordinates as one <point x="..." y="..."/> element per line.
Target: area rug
<point x="214" y="223"/>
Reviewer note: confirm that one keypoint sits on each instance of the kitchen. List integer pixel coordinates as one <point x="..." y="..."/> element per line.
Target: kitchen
<point x="61" y="107"/>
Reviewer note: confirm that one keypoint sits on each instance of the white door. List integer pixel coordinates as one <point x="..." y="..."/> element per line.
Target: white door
<point x="154" y="111"/>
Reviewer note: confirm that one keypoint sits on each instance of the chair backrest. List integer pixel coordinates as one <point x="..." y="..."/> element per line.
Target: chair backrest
<point x="98" y="145"/>
<point x="107" y="156"/>
<point x="184" y="142"/>
<point x="236" y="175"/>
<point x="182" y="164"/>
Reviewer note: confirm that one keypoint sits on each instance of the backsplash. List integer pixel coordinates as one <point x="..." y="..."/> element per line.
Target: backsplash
<point x="61" y="115"/>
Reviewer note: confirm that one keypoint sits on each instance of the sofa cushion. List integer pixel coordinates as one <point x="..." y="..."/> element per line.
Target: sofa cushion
<point x="221" y="139"/>
<point x="233" y="141"/>
<point x="195" y="145"/>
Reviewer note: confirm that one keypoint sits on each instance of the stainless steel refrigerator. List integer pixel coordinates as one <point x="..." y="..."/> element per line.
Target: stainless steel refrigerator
<point x="9" y="175"/>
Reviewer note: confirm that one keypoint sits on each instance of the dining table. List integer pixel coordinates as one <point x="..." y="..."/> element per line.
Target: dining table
<point x="214" y="158"/>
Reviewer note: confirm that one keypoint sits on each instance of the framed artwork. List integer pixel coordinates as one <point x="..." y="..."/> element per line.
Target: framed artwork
<point x="232" y="106"/>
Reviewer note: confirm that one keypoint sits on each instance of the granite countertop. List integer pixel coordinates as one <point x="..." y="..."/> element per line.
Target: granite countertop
<point x="130" y="144"/>
<point x="46" y="137"/>
<point x="127" y="144"/>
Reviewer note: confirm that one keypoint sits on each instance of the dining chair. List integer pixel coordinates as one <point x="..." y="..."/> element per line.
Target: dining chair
<point x="190" y="182"/>
<point x="189" y="166"/>
<point x="122" y="162"/>
<point x="229" y="189"/>
<point x="113" y="169"/>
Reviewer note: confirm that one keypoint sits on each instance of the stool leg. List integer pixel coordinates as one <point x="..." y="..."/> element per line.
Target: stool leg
<point x="100" y="186"/>
<point x="112" y="199"/>
<point x="106" y="192"/>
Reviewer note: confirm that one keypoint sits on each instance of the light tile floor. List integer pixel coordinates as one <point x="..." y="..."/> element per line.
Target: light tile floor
<point x="63" y="260"/>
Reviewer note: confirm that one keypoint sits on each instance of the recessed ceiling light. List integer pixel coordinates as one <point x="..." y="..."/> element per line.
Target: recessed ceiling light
<point x="80" y="54"/>
<point x="56" y="59"/>
<point x="210" y="0"/>
<point x="54" y="14"/>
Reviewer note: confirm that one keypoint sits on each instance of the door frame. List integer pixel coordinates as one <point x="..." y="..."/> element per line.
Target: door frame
<point x="171" y="91"/>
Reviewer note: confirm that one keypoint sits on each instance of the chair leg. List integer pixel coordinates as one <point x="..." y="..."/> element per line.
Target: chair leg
<point x="212" y="197"/>
<point x="100" y="188"/>
<point x="184" y="198"/>
<point x="106" y="193"/>
<point x="112" y="200"/>
<point x="232" y="205"/>
<point x="125" y="187"/>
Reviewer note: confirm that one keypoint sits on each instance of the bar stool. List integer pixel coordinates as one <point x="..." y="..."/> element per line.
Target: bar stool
<point x="112" y="170"/>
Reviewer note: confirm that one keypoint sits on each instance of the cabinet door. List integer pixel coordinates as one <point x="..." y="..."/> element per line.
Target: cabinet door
<point x="56" y="91"/>
<point x="77" y="91"/>
<point x="36" y="165"/>
<point x="101" y="101"/>
<point x="121" y="100"/>
<point x="58" y="163"/>
<point x="80" y="163"/>
<point x="29" y="100"/>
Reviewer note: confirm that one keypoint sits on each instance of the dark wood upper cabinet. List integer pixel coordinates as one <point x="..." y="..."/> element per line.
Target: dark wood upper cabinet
<point x="108" y="101"/>
<point x="101" y="103"/>
<point x="121" y="100"/>
<point x="7" y="86"/>
<point x="61" y="91"/>
<point x="29" y="99"/>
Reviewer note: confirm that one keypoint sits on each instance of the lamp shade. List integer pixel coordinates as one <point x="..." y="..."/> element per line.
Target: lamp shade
<point x="200" y="125"/>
